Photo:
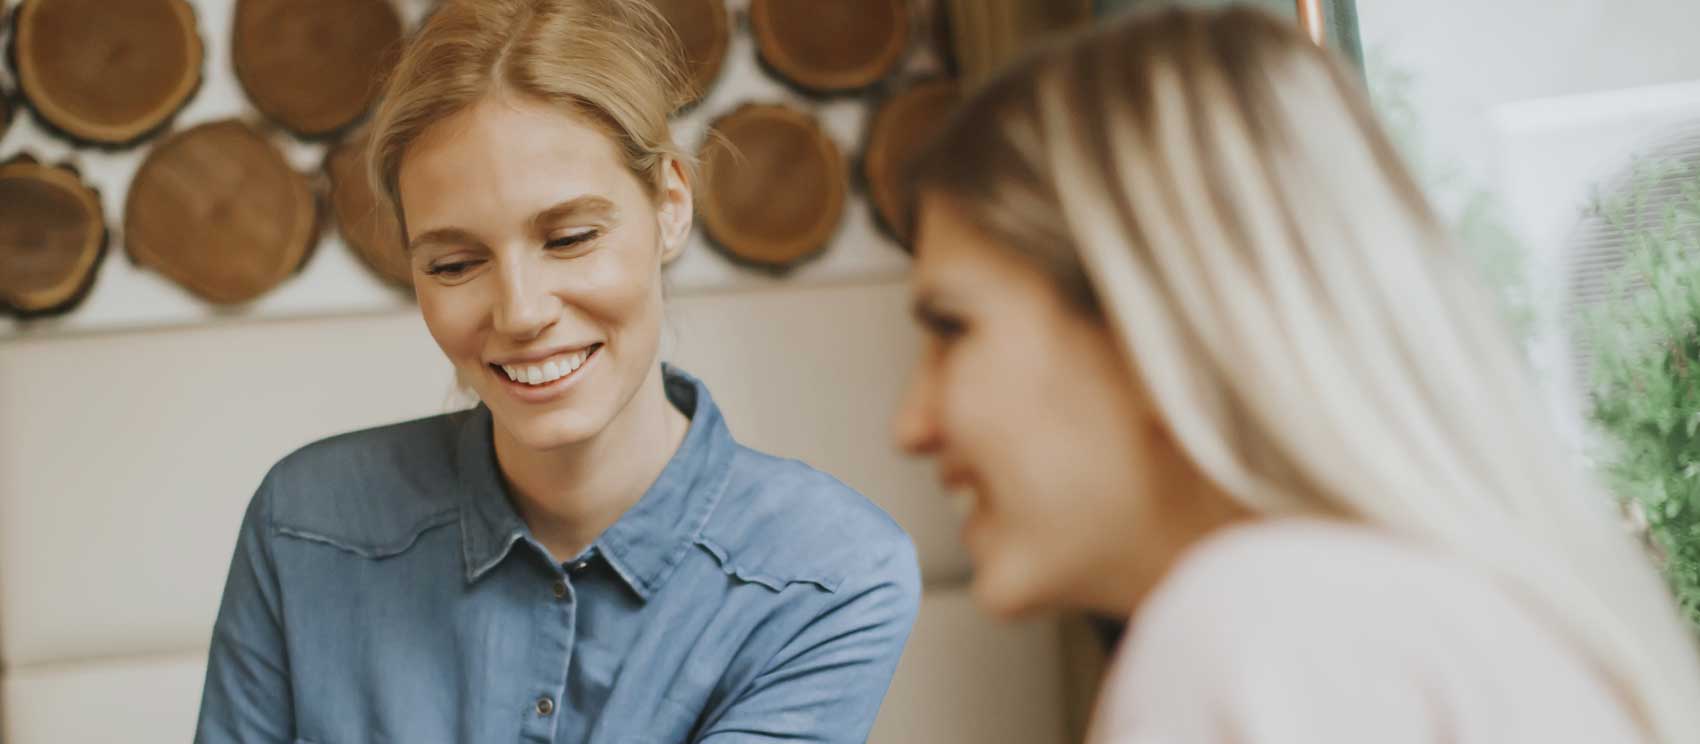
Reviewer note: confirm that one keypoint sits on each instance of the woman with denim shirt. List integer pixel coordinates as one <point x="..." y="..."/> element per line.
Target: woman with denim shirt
<point x="588" y="555"/>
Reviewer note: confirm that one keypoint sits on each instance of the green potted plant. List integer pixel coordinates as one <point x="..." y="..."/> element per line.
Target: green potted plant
<point x="1645" y="371"/>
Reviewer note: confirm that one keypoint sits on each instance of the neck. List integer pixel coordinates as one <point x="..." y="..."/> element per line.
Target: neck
<point x="1174" y="520"/>
<point x="569" y="495"/>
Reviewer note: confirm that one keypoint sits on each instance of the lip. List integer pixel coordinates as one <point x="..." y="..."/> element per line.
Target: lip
<point x="548" y="391"/>
<point x="953" y="478"/>
<point x="541" y="355"/>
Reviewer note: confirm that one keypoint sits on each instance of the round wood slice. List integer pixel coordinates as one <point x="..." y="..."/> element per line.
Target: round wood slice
<point x="369" y="230"/>
<point x="831" y="45"/>
<point x="105" y="72"/>
<point x="773" y="185"/>
<point x="218" y="210"/>
<point x="52" y="235"/>
<point x="313" y="66"/>
<point x="904" y="124"/>
<point x="705" y="31"/>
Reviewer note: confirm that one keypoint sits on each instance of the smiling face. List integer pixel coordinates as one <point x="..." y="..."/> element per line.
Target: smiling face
<point x="1028" y="406"/>
<point x="537" y="262"/>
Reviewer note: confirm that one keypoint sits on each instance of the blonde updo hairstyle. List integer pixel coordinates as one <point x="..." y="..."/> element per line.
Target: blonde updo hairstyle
<point x="615" y="64"/>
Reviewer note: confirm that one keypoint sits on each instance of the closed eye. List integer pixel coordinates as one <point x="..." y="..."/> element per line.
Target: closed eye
<point x="451" y="269"/>
<point x="574" y="239"/>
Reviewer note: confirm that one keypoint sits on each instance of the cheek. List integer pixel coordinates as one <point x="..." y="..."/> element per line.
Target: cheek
<point x="453" y="318"/>
<point x="618" y="286"/>
<point x="997" y="412"/>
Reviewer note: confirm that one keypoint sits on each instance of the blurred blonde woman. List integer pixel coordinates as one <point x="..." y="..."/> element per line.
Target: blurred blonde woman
<point x="1200" y="354"/>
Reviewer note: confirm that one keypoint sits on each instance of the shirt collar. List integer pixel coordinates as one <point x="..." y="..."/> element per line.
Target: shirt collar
<point x="645" y="544"/>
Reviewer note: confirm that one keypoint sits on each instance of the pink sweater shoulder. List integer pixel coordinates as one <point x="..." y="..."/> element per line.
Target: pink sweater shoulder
<point x="1307" y="632"/>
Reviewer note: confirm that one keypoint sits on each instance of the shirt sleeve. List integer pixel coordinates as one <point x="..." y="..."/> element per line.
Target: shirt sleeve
<point x="247" y="696"/>
<point x="825" y="685"/>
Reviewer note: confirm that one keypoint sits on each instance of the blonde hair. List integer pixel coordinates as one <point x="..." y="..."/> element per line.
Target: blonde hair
<point x="617" y="64"/>
<point x="1217" y="190"/>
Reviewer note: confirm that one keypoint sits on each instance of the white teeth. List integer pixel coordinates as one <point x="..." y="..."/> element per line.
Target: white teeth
<point x="549" y="371"/>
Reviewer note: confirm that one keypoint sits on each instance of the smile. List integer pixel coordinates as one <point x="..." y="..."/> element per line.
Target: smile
<point x="542" y="372"/>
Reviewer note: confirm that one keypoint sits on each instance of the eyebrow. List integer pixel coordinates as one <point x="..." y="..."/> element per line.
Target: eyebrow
<point x="928" y="306"/>
<point x="443" y="235"/>
<point x="593" y="206"/>
<point x="583" y="206"/>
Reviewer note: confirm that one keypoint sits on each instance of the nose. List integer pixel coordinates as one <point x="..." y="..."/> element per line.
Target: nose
<point x="525" y="308"/>
<point x="915" y="426"/>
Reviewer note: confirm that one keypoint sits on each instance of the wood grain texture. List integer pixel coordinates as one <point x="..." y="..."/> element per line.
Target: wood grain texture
<point x="905" y="123"/>
<point x="216" y="209"/>
<point x="705" y="31"/>
<point x="5" y="111"/>
<point x="774" y="185"/>
<point x="831" y="46"/>
<point x="314" y="66"/>
<point x="103" y="72"/>
<point x="52" y="235"/>
<point x="939" y="35"/>
<point x="370" y="230"/>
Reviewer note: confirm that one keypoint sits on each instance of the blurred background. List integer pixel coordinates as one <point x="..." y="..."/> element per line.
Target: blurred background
<point x="194" y="282"/>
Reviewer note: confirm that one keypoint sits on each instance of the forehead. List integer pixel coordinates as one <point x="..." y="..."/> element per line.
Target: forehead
<point x="507" y="154"/>
<point x="950" y="249"/>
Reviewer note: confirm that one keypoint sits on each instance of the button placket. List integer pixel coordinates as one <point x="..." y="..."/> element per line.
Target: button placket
<point x="551" y="656"/>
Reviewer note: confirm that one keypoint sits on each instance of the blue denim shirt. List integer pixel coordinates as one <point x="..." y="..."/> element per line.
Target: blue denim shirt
<point x="384" y="590"/>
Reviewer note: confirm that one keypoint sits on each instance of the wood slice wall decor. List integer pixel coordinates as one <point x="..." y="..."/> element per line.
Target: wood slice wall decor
<point x="103" y="72"/>
<point x="313" y="66"/>
<point x="906" y="122"/>
<point x="52" y="235"/>
<point x="218" y="210"/>
<point x="774" y="185"/>
<point x="831" y="45"/>
<point x="369" y="229"/>
<point x="705" y="32"/>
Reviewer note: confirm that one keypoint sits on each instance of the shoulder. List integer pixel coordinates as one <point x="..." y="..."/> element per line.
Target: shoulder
<point x="1274" y="633"/>
<point x="1308" y="579"/>
<point x="781" y="521"/>
<point x="366" y="490"/>
<point x="1333" y="632"/>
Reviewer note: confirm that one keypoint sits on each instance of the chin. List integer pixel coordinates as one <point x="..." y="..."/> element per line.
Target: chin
<point x="1007" y="595"/>
<point x="547" y="430"/>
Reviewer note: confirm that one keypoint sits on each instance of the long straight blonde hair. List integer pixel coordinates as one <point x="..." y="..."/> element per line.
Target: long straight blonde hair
<point x="1217" y="189"/>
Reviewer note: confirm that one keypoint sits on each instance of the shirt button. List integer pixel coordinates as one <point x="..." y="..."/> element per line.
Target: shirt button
<point x="560" y="591"/>
<point x="545" y="706"/>
<point x="579" y="566"/>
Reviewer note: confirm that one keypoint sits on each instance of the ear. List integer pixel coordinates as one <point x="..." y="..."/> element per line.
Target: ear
<point x="675" y="211"/>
